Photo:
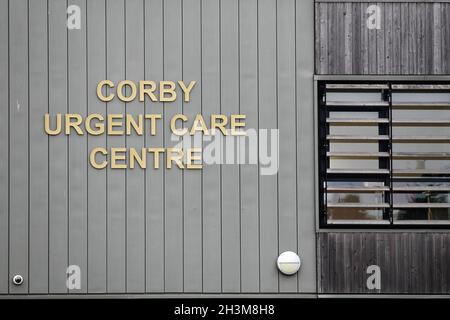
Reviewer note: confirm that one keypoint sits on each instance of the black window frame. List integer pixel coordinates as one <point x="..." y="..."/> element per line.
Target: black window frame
<point x="323" y="161"/>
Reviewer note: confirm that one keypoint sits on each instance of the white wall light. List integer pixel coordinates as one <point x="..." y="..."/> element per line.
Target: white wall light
<point x="17" y="279"/>
<point x="288" y="263"/>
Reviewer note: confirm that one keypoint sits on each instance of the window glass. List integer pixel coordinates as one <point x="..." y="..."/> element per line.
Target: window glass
<point x="340" y="194"/>
<point x="353" y="96"/>
<point x="411" y="199"/>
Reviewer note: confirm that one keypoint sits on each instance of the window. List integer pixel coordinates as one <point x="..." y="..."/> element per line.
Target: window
<point x="384" y="153"/>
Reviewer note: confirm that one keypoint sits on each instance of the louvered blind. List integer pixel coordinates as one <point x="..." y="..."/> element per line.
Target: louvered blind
<point x="384" y="153"/>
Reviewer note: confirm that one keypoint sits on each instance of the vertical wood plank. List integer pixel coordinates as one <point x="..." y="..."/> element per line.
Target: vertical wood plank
<point x="397" y="45"/>
<point x="212" y="246"/>
<point x="116" y="194"/>
<point x="322" y="40"/>
<point x="358" y="266"/>
<point x="447" y="259"/>
<point x="348" y="40"/>
<point x="58" y="149"/>
<point x="395" y="260"/>
<point x="4" y="145"/>
<point x="427" y="261"/>
<point x="446" y="46"/>
<point x="135" y="192"/>
<point x="405" y="266"/>
<point x="331" y="32"/>
<point x="404" y="38"/>
<point x="427" y="15"/>
<point x="412" y="35"/>
<point x="437" y="271"/>
<point x="97" y="215"/>
<point x="420" y="25"/>
<point x="356" y="38"/>
<point x="229" y="102"/>
<point x="192" y="187"/>
<point x="287" y="124"/>
<point x="340" y="263"/>
<point x="332" y="285"/>
<point x="317" y="40"/>
<point x="372" y="44"/>
<point x="417" y="250"/>
<point x="154" y="62"/>
<point x="364" y="263"/>
<point x="388" y="258"/>
<point x="324" y="270"/>
<point x="388" y="25"/>
<point x="340" y="37"/>
<point x="380" y="43"/>
<point x="249" y="180"/>
<point x="444" y="263"/>
<point x="365" y="41"/>
<point x="267" y="26"/>
<point x="437" y="37"/>
<point x="38" y="147"/>
<point x="380" y="247"/>
<point x="347" y="262"/>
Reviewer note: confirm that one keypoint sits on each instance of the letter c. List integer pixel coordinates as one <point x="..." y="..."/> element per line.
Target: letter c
<point x="94" y="163"/>
<point x="100" y="95"/>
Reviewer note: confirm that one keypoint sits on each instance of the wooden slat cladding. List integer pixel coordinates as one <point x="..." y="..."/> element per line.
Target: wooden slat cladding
<point x="412" y="263"/>
<point x="414" y="38"/>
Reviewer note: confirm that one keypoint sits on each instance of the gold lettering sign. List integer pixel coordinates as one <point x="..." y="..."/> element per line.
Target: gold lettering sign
<point x="118" y="124"/>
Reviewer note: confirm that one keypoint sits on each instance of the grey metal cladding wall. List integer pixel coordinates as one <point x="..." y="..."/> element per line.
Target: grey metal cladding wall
<point x="156" y="231"/>
<point x="412" y="263"/>
<point x="414" y="38"/>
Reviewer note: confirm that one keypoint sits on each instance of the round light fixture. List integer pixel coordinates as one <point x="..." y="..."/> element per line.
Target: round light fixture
<point x="288" y="263"/>
<point x="17" y="279"/>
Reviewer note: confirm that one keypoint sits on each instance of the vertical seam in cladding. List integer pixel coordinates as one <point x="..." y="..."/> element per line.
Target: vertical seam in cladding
<point x="68" y="141"/>
<point x="48" y="158"/>
<point x="296" y="128"/>
<point x="400" y="48"/>
<point x="221" y="145"/>
<point x="375" y="31"/>
<point x="164" y="156"/>
<point x="145" y="175"/>
<point x="182" y="171"/>
<point x="87" y="152"/>
<point x="238" y="144"/>
<point x="258" y="135"/>
<point x="276" y="117"/>
<point x="201" y="112"/>
<point x="442" y="44"/>
<point x="125" y="136"/>
<point x="106" y="144"/>
<point x="443" y="39"/>
<point x="317" y="22"/>
<point x="407" y="69"/>
<point x="28" y="129"/>
<point x="9" y="155"/>
<point x="384" y="38"/>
